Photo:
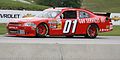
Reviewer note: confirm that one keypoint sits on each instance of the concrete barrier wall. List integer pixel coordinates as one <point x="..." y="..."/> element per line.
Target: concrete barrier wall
<point x="59" y="51"/>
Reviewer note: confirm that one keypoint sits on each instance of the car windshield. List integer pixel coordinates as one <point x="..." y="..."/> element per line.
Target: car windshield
<point x="49" y="14"/>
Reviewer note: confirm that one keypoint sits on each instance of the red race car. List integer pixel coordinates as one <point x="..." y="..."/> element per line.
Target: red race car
<point x="61" y="22"/>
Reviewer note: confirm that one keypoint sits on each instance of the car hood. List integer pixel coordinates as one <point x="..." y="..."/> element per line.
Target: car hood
<point x="30" y="19"/>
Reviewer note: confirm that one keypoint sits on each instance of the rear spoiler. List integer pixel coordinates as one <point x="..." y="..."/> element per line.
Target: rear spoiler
<point x="102" y="14"/>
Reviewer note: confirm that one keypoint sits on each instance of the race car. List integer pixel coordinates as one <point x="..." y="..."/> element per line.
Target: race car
<point x="67" y="22"/>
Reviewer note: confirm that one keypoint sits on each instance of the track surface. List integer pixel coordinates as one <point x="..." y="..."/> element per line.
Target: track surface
<point x="60" y="48"/>
<point x="62" y="40"/>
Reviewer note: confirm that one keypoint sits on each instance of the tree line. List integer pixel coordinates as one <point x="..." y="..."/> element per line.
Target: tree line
<point x="60" y="3"/>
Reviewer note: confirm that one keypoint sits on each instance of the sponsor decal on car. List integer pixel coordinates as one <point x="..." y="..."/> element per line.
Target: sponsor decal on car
<point x="91" y="20"/>
<point x="55" y="24"/>
<point x="11" y="27"/>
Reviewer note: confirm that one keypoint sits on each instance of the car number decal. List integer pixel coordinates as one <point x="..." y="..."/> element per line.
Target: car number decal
<point x="68" y="24"/>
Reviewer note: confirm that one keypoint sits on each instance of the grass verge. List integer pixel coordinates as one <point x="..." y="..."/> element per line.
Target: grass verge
<point x="114" y="32"/>
<point x="102" y="5"/>
<point x="3" y="29"/>
<point x="15" y="5"/>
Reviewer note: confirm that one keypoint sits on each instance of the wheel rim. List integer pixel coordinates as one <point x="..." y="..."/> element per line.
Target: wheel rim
<point x="92" y="31"/>
<point x="42" y="29"/>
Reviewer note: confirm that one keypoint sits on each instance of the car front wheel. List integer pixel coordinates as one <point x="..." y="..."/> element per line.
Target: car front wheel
<point x="42" y="30"/>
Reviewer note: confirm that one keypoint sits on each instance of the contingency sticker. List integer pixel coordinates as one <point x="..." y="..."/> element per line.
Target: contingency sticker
<point x="55" y="24"/>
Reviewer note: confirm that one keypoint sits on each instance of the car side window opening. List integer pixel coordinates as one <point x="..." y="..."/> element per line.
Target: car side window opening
<point x="84" y="14"/>
<point x="69" y="15"/>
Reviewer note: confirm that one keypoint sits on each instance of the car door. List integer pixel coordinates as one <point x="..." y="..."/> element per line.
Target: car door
<point x="69" y="21"/>
<point x="65" y="23"/>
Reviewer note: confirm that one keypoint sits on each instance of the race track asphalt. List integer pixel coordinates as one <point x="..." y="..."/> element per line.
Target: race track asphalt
<point x="60" y="48"/>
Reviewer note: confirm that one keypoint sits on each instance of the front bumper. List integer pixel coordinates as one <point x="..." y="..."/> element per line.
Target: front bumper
<point x="21" y="31"/>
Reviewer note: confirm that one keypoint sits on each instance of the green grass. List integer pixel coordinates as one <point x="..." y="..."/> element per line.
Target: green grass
<point x="15" y="5"/>
<point x="114" y="32"/>
<point x="102" y="5"/>
<point x="3" y="29"/>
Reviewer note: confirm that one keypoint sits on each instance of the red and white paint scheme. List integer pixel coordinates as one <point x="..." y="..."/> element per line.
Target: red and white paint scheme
<point x="61" y="22"/>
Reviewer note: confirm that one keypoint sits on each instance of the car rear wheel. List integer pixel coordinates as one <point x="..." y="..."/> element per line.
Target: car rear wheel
<point x="92" y="31"/>
<point x="42" y="30"/>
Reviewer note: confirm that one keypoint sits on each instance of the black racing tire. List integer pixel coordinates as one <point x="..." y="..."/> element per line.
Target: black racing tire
<point x="69" y="36"/>
<point x="42" y="30"/>
<point x="92" y="31"/>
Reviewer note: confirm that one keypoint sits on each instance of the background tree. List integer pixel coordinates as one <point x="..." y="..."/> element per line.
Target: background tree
<point x="60" y="3"/>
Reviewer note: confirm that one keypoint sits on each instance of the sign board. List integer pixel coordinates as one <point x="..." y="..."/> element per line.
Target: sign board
<point x="7" y="15"/>
<point x="115" y="18"/>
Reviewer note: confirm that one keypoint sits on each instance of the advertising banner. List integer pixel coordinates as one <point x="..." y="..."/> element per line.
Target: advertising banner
<point x="115" y="18"/>
<point x="7" y="15"/>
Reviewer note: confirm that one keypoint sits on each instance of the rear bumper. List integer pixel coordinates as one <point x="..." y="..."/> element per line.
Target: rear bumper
<point x="105" y="30"/>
